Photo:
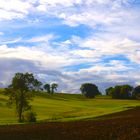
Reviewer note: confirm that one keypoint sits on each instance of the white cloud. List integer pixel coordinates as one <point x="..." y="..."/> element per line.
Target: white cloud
<point x="11" y="41"/>
<point x="89" y="12"/>
<point x="72" y="11"/>
<point x="62" y="2"/>
<point x="15" y="5"/>
<point x="44" y="38"/>
<point x="13" y="9"/>
<point x="84" y="53"/>
<point x="107" y="45"/>
<point x="45" y="59"/>
<point x="48" y="66"/>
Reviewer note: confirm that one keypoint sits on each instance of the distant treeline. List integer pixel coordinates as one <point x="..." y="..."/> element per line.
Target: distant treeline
<point x="118" y="92"/>
<point x="124" y="92"/>
<point x="89" y="90"/>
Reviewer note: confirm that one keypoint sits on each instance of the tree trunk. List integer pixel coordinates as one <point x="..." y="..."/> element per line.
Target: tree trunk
<point x="20" y="116"/>
<point x="20" y="108"/>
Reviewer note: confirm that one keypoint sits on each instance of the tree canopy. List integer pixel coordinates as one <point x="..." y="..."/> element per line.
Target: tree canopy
<point x="20" y="91"/>
<point x="120" y="91"/>
<point x="53" y="87"/>
<point x="109" y="91"/>
<point x="47" y="87"/>
<point x="89" y="90"/>
<point x="136" y="92"/>
<point x="50" y="88"/>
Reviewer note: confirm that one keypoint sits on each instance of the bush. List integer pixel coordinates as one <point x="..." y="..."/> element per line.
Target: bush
<point x="29" y="116"/>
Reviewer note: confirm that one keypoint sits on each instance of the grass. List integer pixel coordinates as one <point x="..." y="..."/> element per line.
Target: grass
<point x="66" y="107"/>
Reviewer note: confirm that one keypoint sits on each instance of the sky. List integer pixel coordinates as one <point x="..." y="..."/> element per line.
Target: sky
<point x="71" y="42"/>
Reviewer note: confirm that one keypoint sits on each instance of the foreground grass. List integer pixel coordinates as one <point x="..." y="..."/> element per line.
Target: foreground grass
<point x="66" y="107"/>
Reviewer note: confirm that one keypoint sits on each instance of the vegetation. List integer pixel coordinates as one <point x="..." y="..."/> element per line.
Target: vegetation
<point x="120" y="92"/>
<point x="20" y="92"/>
<point x="53" y="87"/>
<point x="89" y="90"/>
<point x="47" y="87"/>
<point x="50" y="88"/>
<point x="61" y="107"/>
<point x="109" y="91"/>
<point x="66" y="107"/>
<point x="136" y="92"/>
<point x="30" y="116"/>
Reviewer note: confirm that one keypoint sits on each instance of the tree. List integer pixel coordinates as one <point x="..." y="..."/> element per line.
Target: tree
<point x="121" y="92"/>
<point x="136" y="92"/>
<point x="116" y="92"/>
<point x="89" y="90"/>
<point x="126" y="92"/>
<point x="37" y="85"/>
<point x="47" y="87"/>
<point x="53" y="87"/>
<point x="109" y="91"/>
<point x="20" y="92"/>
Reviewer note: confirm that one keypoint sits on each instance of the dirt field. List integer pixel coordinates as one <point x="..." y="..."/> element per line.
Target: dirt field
<point x="118" y="126"/>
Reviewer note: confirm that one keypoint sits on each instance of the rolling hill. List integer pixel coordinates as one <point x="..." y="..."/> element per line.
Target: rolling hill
<point x="66" y="107"/>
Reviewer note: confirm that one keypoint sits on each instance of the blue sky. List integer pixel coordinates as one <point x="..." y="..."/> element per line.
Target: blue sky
<point x="71" y="41"/>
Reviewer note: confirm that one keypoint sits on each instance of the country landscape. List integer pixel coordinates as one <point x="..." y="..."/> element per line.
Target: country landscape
<point x="68" y="116"/>
<point x="69" y="69"/>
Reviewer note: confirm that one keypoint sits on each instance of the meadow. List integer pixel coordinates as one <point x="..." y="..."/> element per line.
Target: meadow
<point x="66" y="107"/>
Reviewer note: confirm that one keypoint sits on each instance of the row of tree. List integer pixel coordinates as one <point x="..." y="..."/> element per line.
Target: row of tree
<point x="50" y="88"/>
<point x="118" y="92"/>
<point x="124" y="92"/>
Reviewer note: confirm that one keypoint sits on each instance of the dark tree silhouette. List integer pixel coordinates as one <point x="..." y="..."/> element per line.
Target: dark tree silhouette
<point x="47" y="87"/>
<point x="89" y="90"/>
<point x="121" y="92"/>
<point x="37" y="85"/>
<point x="54" y="87"/>
<point x="126" y="91"/>
<point x="136" y="92"/>
<point x="109" y="91"/>
<point x="21" y="92"/>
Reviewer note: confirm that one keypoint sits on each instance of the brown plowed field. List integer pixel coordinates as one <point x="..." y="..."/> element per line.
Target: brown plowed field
<point x="119" y="126"/>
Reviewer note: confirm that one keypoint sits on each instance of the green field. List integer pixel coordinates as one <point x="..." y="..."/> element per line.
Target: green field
<point x="66" y="107"/>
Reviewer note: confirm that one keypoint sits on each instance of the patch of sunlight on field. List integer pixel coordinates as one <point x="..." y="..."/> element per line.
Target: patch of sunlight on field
<point x="7" y="115"/>
<point x="54" y="109"/>
<point x="66" y="107"/>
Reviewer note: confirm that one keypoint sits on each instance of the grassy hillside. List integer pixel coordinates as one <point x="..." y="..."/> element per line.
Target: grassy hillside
<point x="66" y="107"/>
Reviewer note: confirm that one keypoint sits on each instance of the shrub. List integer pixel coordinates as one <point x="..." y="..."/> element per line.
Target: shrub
<point x="29" y="116"/>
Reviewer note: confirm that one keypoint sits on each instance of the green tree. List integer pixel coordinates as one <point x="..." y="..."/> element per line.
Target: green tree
<point x="136" y="92"/>
<point x="54" y="87"/>
<point x="37" y="85"/>
<point x="126" y="92"/>
<point x="47" y="87"/>
<point x="121" y="92"/>
<point x="116" y="92"/>
<point x="89" y="90"/>
<point x="21" y="92"/>
<point x="109" y="91"/>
